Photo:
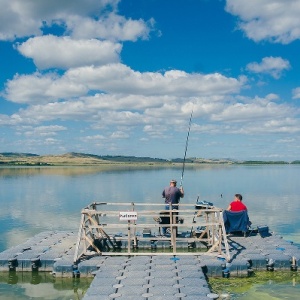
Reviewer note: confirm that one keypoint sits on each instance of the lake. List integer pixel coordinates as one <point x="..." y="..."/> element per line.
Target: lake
<point x="51" y="198"/>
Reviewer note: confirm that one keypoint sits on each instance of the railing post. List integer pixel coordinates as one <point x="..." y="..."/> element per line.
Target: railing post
<point x="129" y="238"/>
<point x="221" y="220"/>
<point x="173" y="231"/>
<point x="78" y="238"/>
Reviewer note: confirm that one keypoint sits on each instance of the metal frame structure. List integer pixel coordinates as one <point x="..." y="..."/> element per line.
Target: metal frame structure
<point x="103" y="230"/>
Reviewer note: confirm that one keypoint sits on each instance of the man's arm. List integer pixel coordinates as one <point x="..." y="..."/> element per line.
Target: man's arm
<point x="182" y="192"/>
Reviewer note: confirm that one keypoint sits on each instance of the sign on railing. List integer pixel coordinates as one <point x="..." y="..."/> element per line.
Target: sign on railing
<point x="128" y="216"/>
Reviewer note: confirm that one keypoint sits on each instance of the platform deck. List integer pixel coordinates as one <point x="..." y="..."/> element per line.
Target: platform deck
<point x="150" y="276"/>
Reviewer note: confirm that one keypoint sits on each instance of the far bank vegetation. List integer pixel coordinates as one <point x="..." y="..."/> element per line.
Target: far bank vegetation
<point x="82" y="159"/>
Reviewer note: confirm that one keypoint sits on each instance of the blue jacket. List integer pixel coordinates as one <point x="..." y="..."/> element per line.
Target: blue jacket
<point x="236" y="221"/>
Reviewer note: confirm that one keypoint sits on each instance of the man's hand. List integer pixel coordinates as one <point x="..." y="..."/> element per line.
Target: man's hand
<point x="181" y="190"/>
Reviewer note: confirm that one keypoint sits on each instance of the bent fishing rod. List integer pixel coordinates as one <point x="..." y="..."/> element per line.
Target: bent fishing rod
<point x="186" y="146"/>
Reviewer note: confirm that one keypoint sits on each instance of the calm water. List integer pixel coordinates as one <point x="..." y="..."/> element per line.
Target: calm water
<point x="38" y="199"/>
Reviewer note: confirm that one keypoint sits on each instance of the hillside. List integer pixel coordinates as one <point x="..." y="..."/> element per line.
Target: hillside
<point x="76" y="159"/>
<point x="83" y="159"/>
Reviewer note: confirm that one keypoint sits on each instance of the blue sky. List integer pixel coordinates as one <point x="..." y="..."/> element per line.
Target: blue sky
<point x="121" y="77"/>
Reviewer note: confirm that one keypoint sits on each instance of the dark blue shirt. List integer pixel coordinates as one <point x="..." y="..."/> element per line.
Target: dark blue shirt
<point x="172" y="194"/>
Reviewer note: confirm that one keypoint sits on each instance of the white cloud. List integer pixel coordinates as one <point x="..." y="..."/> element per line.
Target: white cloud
<point x="273" y="66"/>
<point x="36" y="88"/>
<point x="202" y="107"/>
<point x="272" y="20"/>
<point x="78" y="110"/>
<point x="19" y="18"/>
<point x="44" y="131"/>
<point x="4" y="119"/>
<point x="156" y="130"/>
<point x="258" y="109"/>
<point x="263" y="126"/>
<point x="60" y="110"/>
<point x="223" y="116"/>
<point x="209" y="128"/>
<point x="116" y="79"/>
<point x="286" y="140"/>
<point x="51" y="141"/>
<point x="296" y="93"/>
<point x="122" y="118"/>
<point x="97" y="137"/>
<point x="63" y="52"/>
<point x="14" y="24"/>
<point x="106" y="112"/>
<point x="283" y="126"/>
<point x="119" y="135"/>
<point x="111" y="27"/>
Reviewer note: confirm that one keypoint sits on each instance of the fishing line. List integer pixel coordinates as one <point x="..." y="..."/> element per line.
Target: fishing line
<point x="186" y="146"/>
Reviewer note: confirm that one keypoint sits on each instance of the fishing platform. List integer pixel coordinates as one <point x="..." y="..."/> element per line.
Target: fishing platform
<point x="122" y="247"/>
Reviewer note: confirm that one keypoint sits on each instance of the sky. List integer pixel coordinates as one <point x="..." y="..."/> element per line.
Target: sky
<point x="125" y="77"/>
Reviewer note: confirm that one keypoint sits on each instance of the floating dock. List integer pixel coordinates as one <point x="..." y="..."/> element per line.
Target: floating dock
<point x="151" y="272"/>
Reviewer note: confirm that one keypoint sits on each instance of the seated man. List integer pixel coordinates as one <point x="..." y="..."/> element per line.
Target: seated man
<point x="236" y="217"/>
<point x="237" y="204"/>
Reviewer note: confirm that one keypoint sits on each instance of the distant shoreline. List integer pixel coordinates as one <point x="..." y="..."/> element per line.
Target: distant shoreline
<point x="81" y="159"/>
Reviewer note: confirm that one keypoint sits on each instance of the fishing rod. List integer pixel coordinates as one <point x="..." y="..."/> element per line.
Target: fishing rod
<point x="186" y="146"/>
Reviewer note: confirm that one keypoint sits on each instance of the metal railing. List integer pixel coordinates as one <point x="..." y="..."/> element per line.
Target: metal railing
<point x="145" y="228"/>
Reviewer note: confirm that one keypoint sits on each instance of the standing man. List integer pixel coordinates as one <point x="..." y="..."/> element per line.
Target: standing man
<point x="172" y="195"/>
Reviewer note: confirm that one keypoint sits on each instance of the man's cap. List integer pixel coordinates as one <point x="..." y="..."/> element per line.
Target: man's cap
<point x="173" y="181"/>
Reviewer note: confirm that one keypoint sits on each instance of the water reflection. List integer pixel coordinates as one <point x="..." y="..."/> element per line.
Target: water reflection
<point x="14" y="172"/>
<point x="29" y="285"/>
